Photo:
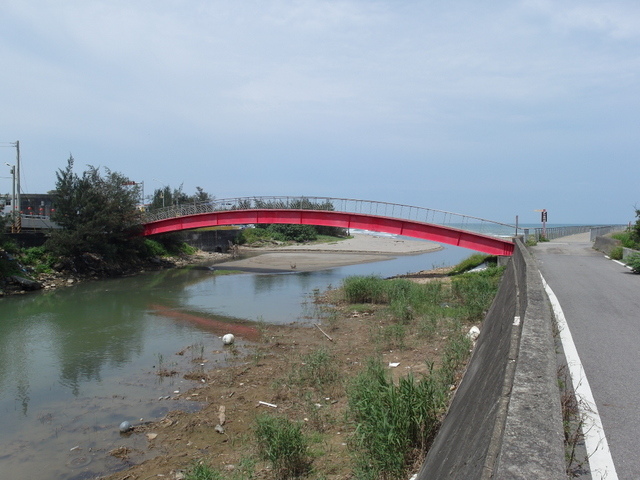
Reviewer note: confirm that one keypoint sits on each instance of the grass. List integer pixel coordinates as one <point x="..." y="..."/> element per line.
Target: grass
<point x="616" y="253"/>
<point x="365" y="289"/>
<point x="472" y="262"/>
<point x="317" y="369"/>
<point x="283" y="444"/>
<point x="201" y="471"/>
<point x="627" y="239"/>
<point x="394" y="422"/>
<point x="634" y="262"/>
<point x="468" y="297"/>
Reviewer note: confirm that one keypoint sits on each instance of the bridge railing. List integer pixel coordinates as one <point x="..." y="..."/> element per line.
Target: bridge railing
<point x="369" y="207"/>
<point x="557" y="232"/>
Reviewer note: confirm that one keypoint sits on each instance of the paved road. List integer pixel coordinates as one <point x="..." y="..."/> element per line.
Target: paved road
<point x="601" y="302"/>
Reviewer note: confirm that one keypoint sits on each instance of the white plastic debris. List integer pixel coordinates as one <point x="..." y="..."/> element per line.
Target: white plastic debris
<point x="473" y="333"/>
<point x="228" y="339"/>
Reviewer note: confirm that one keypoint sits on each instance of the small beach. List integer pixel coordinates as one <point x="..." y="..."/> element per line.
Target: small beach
<point x="361" y="248"/>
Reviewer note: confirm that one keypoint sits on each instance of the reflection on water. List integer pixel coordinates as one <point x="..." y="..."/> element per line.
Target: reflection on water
<point x="76" y="362"/>
<point x="219" y="327"/>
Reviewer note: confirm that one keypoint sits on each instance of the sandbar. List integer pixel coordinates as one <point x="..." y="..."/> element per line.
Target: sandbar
<point x="362" y="248"/>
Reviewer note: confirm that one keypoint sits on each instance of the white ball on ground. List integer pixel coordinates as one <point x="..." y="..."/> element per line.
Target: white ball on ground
<point x="125" y="427"/>
<point x="228" y="339"/>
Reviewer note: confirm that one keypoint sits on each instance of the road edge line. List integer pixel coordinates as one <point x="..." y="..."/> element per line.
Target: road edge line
<point x="598" y="452"/>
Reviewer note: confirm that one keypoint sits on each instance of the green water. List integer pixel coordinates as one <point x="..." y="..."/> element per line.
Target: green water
<point x="76" y="362"/>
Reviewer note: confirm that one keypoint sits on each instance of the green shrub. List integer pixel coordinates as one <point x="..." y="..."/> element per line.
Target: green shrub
<point x="635" y="230"/>
<point x="201" y="471"/>
<point x="394" y="423"/>
<point x="253" y="235"/>
<point x="8" y="244"/>
<point x="365" y="289"/>
<point x="296" y="233"/>
<point x="187" y="249"/>
<point x="455" y="355"/>
<point x="634" y="262"/>
<point x="318" y="368"/>
<point x="472" y="262"/>
<point x="393" y="336"/>
<point x="627" y="239"/>
<point x="475" y="291"/>
<point x="38" y="258"/>
<point x="616" y="253"/>
<point x="154" y="248"/>
<point x="401" y="310"/>
<point x="282" y="443"/>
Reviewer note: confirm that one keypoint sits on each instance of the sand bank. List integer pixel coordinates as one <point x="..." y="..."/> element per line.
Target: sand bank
<point x="359" y="249"/>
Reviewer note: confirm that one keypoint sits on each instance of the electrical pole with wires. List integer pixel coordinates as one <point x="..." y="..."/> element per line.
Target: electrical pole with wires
<point x="16" y="225"/>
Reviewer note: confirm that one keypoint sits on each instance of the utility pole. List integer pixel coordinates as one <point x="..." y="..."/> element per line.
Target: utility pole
<point x="12" y="170"/>
<point x="17" y="218"/>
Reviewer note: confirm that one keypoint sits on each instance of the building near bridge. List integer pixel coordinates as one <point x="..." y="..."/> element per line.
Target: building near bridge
<point x="36" y="204"/>
<point x="35" y="211"/>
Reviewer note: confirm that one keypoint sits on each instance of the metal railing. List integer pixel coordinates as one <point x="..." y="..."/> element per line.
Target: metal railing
<point x="557" y="232"/>
<point x="600" y="231"/>
<point x="368" y="207"/>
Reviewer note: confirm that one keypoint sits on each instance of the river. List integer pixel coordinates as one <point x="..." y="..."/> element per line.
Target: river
<point x="77" y="361"/>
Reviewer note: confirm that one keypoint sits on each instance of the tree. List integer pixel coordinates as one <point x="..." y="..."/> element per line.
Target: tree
<point x="97" y="214"/>
<point x="635" y="230"/>
<point x="165" y="197"/>
<point x="201" y="196"/>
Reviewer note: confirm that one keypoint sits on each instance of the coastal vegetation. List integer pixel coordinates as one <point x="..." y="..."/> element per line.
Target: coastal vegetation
<point x="629" y="239"/>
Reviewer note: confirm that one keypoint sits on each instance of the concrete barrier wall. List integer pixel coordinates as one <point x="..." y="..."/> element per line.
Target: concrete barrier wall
<point x="605" y="244"/>
<point x="505" y="419"/>
<point x="629" y="252"/>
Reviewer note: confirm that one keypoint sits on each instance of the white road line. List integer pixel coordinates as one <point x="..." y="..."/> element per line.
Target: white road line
<point x="600" y="461"/>
<point x="618" y="262"/>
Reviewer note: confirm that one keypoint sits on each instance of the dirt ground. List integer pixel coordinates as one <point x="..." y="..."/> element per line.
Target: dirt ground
<point x="262" y="376"/>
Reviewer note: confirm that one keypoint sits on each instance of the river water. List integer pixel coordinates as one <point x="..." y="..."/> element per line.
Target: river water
<point x="77" y="361"/>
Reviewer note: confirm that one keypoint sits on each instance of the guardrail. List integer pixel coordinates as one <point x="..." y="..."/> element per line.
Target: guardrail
<point x="556" y="232"/>
<point x="384" y="209"/>
<point x="600" y="231"/>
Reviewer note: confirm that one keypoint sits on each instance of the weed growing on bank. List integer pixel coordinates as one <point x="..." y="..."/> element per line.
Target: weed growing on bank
<point x="283" y="444"/>
<point x="628" y="239"/>
<point x="467" y="298"/>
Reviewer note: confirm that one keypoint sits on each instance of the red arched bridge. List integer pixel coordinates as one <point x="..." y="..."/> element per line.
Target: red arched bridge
<point x="465" y="231"/>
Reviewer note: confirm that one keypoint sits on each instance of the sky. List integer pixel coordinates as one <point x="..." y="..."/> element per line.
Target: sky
<point x="490" y="109"/>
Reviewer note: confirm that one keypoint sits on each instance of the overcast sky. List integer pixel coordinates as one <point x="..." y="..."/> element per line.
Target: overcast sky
<point x="492" y="109"/>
